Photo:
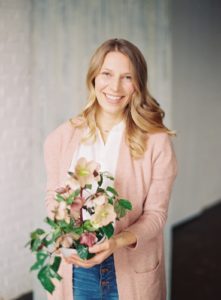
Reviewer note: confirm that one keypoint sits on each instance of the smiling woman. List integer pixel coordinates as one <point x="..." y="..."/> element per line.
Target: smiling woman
<point x="121" y="128"/>
<point x="113" y="87"/>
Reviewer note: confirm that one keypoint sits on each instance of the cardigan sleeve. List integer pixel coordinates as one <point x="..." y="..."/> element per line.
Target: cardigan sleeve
<point x="52" y="152"/>
<point x="164" y="171"/>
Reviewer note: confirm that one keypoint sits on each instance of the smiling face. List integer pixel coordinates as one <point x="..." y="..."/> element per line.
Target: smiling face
<point x="114" y="84"/>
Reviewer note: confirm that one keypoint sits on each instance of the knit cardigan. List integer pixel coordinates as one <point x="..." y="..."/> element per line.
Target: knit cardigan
<point x="147" y="182"/>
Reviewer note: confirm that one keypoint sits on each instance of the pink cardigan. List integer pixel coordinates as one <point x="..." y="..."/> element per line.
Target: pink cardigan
<point x="147" y="183"/>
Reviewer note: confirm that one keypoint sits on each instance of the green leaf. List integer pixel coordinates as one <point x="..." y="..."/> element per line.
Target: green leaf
<point x="35" y="266"/>
<point x="38" y="232"/>
<point x="70" y="200"/>
<point x="54" y="274"/>
<point x="100" y="190"/>
<point x="88" y="186"/>
<point x="35" y="245"/>
<point x="82" y="251"/>
<point x="72" y="196"/>
<point x="56" y="235"/>
<point x="62" y="224"/>
<point x="76" y="193"/>
<point x="125" y="203"/>
<point x="47" y="242"/>
<point x="111" y="200"/>
<point x="51" y="222"/>
<point x="108" y="230"/>
<point x="88" y="226"/>
<point x="112" y="190"/>
<point x="56" y="263"/>
<point x="59" y="198"/>
<point x="120" y="210"/>
<point x="41" y="256"/>
<point x="28" y="243"/>
<point x="101" y="180"/>
<point x="107" y="175"/>
<point x="45" y="279"/>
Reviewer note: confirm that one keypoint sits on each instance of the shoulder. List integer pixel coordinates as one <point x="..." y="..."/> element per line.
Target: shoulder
<point x="63" y="132"/>
<point x="163" y="153"/>
<point x="160" y="144"/>
<point x="160" y="140"/>
<point x="57" y="134"/>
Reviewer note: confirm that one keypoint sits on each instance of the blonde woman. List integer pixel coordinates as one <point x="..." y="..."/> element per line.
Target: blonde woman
<point x="122" y="128"/>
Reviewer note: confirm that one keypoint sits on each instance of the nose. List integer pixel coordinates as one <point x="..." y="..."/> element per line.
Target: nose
<point x="115" y="84"/>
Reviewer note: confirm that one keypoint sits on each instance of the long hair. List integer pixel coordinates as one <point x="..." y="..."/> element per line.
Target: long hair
<point x="143" y="114"/>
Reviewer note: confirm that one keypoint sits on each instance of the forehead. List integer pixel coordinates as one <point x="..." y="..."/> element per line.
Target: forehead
<point x="117" y="61"/>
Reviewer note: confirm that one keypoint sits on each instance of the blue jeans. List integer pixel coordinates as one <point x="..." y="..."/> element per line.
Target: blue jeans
<point x="96" y="283"/>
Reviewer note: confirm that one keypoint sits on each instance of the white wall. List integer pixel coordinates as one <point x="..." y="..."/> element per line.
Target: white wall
<point x="196" y="65"/>
<point x="16" y="141"/>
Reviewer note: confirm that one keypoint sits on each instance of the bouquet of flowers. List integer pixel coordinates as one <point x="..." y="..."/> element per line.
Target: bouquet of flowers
<point x="84" y="215"/>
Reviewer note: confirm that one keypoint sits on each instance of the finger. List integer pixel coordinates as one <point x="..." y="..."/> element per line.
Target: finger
<point x="72" y="259"/>
<point x="99" y="258"/>
<point x="98" y="248"/>
<point x="58" y="251"/>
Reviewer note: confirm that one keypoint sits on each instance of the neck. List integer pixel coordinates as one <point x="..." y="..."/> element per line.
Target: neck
<point x="106" y="121"/>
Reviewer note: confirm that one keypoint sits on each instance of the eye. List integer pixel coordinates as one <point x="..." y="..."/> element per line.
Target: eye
<point x="105" y="73"/>
<point x="128" y="77"/>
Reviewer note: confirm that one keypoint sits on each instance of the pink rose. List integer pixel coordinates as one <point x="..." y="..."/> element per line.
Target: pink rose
<point x="62" y="190"/>
<point x="76" y="207"/>
<point x="88" y="239"/>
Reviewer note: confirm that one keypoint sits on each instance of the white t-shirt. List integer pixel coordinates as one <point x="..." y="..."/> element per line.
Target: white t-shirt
<point x="105" y="154"/>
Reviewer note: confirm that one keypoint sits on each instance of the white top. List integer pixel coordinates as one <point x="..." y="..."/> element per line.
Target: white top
<point x="104" y="154"/>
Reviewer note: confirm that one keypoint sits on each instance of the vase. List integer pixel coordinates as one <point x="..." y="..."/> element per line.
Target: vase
<point x="66" y="252"/>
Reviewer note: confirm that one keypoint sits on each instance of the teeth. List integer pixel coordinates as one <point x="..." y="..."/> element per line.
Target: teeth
<point x="111" y="97"/>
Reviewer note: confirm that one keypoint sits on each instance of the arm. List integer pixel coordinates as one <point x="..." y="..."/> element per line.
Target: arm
<point x="164" y="171"/>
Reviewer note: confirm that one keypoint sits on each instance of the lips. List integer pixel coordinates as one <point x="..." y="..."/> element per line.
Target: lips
<point x="112" y="98"/>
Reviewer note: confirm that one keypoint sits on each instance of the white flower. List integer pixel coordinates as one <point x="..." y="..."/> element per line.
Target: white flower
<point x="72" y="183"/>
<point x="103" y="215"/>
<point x="86" y="172"/>
<point x="61" y="212"/>
<point x="98" y="201"/>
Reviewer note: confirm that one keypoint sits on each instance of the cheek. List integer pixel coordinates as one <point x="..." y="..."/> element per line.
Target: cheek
<point x="100" y="83"/>
<point x="129" y="87"/>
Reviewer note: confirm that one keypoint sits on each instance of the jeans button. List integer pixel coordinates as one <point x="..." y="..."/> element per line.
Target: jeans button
<point x="104" y="270"/>
<point x="104" y="282"/>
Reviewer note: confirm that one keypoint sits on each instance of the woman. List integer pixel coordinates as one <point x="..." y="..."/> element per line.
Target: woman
<point x="122" y="128"/>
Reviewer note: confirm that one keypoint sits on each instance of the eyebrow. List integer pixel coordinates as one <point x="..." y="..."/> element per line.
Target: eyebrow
<point x="112" y="71"/>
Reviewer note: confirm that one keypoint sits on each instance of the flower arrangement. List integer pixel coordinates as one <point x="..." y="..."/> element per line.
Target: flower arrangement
<point x="84" y="215"/>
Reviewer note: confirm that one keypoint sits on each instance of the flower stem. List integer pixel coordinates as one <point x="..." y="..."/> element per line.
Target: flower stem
<point x="81" y="213"/>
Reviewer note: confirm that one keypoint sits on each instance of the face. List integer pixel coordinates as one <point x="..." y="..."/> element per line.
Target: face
<point x="114" y="83"/>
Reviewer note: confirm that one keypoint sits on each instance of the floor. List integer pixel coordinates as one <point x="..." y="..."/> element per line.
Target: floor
<point x="196" y="270"/>
<point x="28" y="296"/>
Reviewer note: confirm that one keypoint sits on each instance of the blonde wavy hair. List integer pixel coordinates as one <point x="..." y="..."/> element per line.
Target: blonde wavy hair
<point x="143" y="114"/>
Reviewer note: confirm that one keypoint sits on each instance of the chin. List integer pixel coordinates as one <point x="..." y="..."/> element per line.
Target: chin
<point x="112" y="111"/>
